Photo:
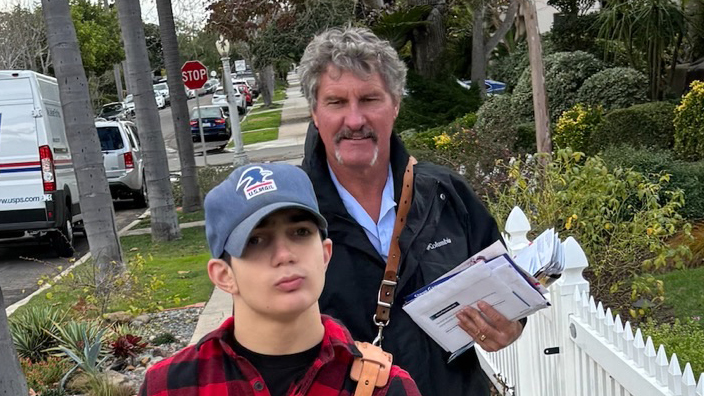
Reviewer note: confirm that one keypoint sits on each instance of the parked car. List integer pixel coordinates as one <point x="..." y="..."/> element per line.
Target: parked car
<point x="251" y="80"/>
<point x="160" y="101"/>
<point x="216" y="126"/>
<point x="163" y="89"/>
<point x="129" y="102"/>
<point x="492" y="87"/>
<point x="122" y="158"/>
<point x="246" y="89"/>
<point x="38" y="189"/>
<point x="220" y="99"/>
<point x="190" y="93"/>
<point x="210" y="86"/>
<point x="115" y="111"/>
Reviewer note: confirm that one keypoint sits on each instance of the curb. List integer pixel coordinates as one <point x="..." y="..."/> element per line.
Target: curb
<point x="12" y="308"/>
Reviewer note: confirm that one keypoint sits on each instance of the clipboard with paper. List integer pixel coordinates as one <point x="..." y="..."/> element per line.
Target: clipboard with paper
<point x="491" y="276"/>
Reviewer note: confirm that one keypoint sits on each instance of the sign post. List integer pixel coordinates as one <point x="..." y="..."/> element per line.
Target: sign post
<point x="194" y="75"/>
<point x="240" y="66"/>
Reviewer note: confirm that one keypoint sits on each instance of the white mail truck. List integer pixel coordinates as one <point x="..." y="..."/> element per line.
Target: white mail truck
<point x="38" y="191"/>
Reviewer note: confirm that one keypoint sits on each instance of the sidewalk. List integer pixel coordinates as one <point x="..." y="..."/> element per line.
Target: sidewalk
<point x="292" y="134"/>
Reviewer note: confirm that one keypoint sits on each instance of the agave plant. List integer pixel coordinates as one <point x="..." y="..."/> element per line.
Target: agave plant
<point x="90" y="356"/>
<point x="34" y="330"/>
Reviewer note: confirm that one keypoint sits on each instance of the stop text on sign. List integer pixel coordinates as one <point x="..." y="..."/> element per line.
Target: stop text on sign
<point x="190" y="75"/>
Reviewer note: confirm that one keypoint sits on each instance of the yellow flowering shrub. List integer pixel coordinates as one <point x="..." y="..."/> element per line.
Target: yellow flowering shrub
<point x="576" y="125"/>
<point x="689" y="123"/>
<point x="621" y="218"/>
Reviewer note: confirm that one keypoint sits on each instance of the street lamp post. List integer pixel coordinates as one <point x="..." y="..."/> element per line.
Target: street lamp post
<point x="223" y="46"/>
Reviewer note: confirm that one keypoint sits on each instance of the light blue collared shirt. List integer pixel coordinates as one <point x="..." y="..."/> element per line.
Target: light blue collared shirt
<point x="379" y="234"/>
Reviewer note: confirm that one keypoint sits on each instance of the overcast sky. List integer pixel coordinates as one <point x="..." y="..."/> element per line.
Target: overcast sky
<point x="191" y="12"/>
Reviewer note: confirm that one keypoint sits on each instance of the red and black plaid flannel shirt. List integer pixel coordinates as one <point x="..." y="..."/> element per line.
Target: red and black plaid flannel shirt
<point x="211" y="367"/>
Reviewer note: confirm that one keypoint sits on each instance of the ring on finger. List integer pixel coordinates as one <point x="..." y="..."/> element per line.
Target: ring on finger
<point x="482" y="337"/>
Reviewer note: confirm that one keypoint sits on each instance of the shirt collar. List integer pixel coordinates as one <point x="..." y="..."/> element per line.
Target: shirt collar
<point x="336" y="340"/>
<point x="356" y="210"/>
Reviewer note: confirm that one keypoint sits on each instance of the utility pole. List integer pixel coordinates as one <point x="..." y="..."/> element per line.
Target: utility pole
<point x="537" y="72"/>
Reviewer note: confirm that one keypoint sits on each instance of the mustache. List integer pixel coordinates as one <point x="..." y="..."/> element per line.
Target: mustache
<point x="363" y="133"/>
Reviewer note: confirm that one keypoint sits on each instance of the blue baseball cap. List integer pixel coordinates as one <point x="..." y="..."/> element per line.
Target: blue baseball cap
<point x="252" y="192"/>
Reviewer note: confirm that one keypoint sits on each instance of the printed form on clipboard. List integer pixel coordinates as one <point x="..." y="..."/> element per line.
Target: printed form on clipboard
<point x="490" y="276"/>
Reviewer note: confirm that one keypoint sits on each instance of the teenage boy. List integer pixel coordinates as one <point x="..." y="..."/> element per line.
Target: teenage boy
<point x="270" y="251"/>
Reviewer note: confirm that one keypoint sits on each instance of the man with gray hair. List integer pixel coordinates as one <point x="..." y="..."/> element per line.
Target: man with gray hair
<point x="385" y="234"/>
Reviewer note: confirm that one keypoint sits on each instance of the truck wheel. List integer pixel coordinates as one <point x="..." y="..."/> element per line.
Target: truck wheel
<point x="141" y="199"/>
<point x="62" y="239"/>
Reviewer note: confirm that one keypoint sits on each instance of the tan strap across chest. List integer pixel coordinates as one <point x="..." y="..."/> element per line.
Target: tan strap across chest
<point x="388" y="284"/>
<point x="371" y="370"/>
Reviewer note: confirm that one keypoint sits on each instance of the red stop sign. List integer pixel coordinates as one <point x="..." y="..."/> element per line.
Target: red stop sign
<point x="194" y="74"/>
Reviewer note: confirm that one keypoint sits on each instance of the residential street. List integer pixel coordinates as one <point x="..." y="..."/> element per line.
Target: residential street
<point x="24" y="261"/>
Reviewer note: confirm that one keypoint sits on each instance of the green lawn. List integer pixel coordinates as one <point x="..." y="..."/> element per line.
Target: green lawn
<point x="683" y="292"/>
<point x="261" y="121"/>
<point x="262" y="108"/>
<point x="279" y="94"/>
<point x="182" y="218"/>
<point x="174" y="273"/>
<point x="256" y="137"/>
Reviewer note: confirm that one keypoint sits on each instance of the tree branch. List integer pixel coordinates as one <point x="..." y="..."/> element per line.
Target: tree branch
<point x="503" y="28"/>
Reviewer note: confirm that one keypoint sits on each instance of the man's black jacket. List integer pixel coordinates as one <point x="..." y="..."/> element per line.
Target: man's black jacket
<point x="446" y="224"/>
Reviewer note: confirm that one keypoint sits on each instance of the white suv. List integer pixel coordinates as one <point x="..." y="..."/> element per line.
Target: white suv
<point x="122" y="158"/>
<point x="220" y="99"/>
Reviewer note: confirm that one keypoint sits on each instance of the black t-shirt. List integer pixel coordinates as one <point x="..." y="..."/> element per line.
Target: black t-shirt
<point x="279" y="371"/>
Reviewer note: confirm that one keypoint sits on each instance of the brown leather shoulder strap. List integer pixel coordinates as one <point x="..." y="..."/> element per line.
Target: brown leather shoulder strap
<point x="371" y="370"/>
<point x="388" y="284"/>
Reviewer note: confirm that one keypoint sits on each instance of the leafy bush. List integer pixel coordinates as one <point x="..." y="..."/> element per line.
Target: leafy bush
<point x="100" y="385"/>
<point x="469" y="148"/>
<point x="164" y="338"/>
<point x="434" y="103"/>
<point x="621" y="219"/>
<point x="642" y="125"/>
<point x="614" y="88"/>
<point x="509" y="67"/>
<point x="127" y="346"/>
<point x="575" y="33"/>
<point x="82" y="341"/>
<point x="689" y="123"/>
<point x="565" y="72"/>
<point x="208" y="177"/>
<point x="33" y="332"/>
<point x="576" y="125"/>
<point x="687" y="176"/>
<point x="685" y="338"/>
<point x="43" y="375"/>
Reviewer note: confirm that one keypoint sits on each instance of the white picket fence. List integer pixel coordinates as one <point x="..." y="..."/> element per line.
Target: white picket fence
<point x="575" y="347"/>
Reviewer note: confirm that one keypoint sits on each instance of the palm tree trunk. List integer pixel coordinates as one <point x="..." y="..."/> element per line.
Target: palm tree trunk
<point x="161" y="201"/>
<point x="12" y="381"/>
<point x="266" y="86"/>
<point x="179" y="108"/>
<point x="95" y="198"/>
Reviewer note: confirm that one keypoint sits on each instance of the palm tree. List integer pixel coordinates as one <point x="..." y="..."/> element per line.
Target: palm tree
<point x="161" y="201"/>
<point x="179" y="107"/>
<point x="647" y="29"/>
<point x="12" y="381"/>
<point x="95" y="198"/>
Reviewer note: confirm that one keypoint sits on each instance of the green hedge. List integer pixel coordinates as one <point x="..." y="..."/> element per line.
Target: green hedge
<point x="687" y="176"/>
<point x="642" y="125"/>
<point x="565" y="72"/>
<point x="614" y="88"/>
<point x="434" y="103"/>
